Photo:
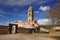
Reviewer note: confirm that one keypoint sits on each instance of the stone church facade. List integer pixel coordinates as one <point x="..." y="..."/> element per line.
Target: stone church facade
<point x="30" y="23"/>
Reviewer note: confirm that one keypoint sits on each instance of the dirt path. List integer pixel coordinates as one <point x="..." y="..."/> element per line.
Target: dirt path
<point x="20" y="36"/>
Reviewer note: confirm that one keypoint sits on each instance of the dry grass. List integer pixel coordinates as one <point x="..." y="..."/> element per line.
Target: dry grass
<point x="20" y="36"/>
<point x="33" y="36"/>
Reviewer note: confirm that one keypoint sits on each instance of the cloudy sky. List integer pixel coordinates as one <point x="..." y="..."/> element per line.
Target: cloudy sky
<point x="44" y="22"/>
<point x="15" y="10"/>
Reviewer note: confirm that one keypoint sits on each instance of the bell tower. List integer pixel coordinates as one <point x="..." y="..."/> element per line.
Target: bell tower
<point x="30" y="15"/>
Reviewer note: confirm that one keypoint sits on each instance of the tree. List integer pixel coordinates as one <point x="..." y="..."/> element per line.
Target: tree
<point x="58" y="1"/>
<point x="54" y="13"/>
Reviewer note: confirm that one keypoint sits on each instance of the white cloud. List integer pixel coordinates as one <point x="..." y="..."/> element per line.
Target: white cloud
<point x="15" y="9"/>
<point x="14" y="21"/>
<point x="2" y="16"/>
<point x="44" y="8"/>
<point x="0" y="23"/>
<point x="23" y="2"/>
<point x="43" y="1"/>
<point x="19" y="21"/>
<point x="7" y="23"/>
<point x="19" y="2"/>
<point x="44" y="21"/>
<point x="2" y="12"/>
<point x="36" y="12"/>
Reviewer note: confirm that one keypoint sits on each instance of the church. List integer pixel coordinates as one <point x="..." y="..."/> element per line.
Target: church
<point x="30" y="23"/>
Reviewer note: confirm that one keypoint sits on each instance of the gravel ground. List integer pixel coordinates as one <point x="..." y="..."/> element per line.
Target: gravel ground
<point x="21" y="36"/>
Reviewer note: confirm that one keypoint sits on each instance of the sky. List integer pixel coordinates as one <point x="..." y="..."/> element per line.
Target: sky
<point x="44" y="22"/>
<point x="17" y="10"/>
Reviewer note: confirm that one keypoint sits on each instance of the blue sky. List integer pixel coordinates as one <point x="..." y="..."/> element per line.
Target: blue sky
<point x="15" y="10"/>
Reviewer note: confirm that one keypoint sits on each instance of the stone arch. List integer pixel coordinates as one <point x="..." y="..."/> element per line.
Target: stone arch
<point x="13" y="28"/>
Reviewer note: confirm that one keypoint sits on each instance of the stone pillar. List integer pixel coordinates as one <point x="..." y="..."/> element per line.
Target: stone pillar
<point x="16" y="28"/>
<point x="10" y="29"/>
